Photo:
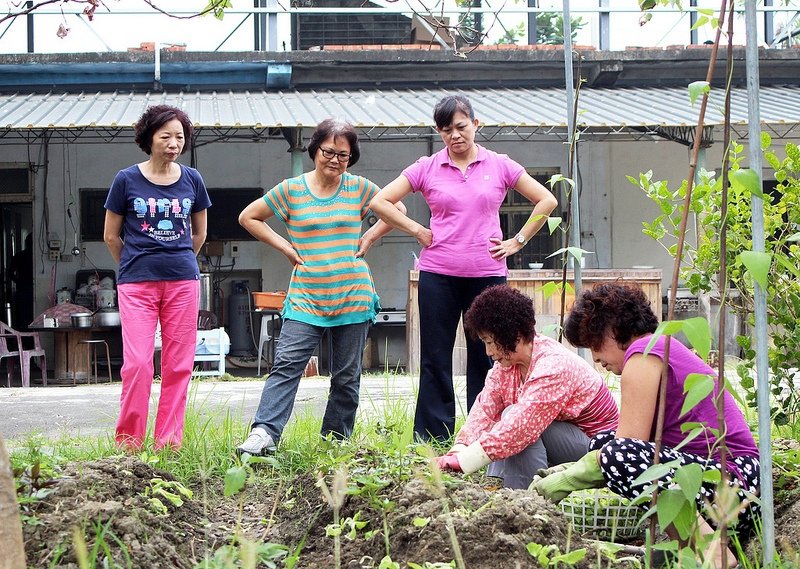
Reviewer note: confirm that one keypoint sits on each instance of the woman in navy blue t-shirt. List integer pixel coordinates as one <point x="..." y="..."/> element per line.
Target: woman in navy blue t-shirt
<point x="154" y="227"/>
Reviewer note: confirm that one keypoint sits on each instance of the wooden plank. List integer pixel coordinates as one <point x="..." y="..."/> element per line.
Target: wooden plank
<point x="548" y="308"/>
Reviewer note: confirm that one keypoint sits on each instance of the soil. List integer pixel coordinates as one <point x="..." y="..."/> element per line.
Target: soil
<point x="112" y="497"/>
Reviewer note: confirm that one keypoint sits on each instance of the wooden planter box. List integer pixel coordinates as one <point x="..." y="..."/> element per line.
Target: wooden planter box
<point x="548" y="309"/>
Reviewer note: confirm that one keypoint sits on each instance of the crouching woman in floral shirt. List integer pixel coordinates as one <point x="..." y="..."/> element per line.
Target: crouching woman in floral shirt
<point x="541" y="402"/>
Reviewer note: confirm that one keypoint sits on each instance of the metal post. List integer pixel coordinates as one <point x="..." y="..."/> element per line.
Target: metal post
<point x="762" y="363"/>
<point x="259" y="27"/>
<point x="605" y="27"/>
<point x="532" y="22"/>
<point x="575" y="218"/>
<point x="693" y="38"/>
<point x="29" y="22"/>
<point x="272" y="26"/>
<point x="769" y="23"/>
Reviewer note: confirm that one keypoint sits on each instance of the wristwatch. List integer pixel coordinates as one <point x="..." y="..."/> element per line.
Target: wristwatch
<point x="520" y="238"/>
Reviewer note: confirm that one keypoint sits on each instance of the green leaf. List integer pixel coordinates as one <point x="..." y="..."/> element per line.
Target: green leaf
<point x="699" y="335"/>
<point x="655" y="472"/>
<point x="689" y="479"/>
<point x="698" y="89"/>
<point x="553" y="223"/>
<point x="420" y="522"/>
<point x="670" y="503"/>
<point x="701" y="21"/>
<point x="550" y="288"/>
<point x="572" y="558"/>
<point x="696" y="387"/>
<point x="235" y="477"/>
<point x="745" y="179"/>
<point x="665" y="328"/>
<point x="757" y="264"/>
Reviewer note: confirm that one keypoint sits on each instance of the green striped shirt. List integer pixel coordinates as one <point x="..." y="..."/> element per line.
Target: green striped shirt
<point x="332" y="287"/>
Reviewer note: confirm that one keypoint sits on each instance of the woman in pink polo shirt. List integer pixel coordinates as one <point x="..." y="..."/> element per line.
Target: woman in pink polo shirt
<point x="463" y="250"/>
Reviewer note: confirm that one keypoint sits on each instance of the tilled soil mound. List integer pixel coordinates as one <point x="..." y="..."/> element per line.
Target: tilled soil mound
<point x="107" y="501"/>
<point x="110" y="502"/>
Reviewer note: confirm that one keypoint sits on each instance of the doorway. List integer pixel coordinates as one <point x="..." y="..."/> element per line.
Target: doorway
<point x="16" y="257"/>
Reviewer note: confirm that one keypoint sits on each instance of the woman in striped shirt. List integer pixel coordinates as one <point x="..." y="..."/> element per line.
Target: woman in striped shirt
<point x="331" y="286"/>
<point x="541" y="403"/>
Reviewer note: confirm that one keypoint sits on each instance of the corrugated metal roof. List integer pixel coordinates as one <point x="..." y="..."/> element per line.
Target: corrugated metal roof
<point x="542" y="108"/>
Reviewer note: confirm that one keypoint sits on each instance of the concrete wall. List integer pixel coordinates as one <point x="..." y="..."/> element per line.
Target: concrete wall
<point x="612" y="209"/>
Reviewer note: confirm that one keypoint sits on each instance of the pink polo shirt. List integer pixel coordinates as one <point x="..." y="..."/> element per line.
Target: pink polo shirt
<point x="464" y="211"/>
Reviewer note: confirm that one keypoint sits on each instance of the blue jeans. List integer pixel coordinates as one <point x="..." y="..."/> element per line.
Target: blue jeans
<point x="442" y="302"/>
<point x="296" y="344"/>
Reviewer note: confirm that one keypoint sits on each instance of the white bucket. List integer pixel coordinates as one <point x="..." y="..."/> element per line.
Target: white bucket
<point x="105" y="298"/>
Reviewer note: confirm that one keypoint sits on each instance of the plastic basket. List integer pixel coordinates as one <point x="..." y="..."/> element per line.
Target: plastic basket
<point x="269" y="300"/>
<point x="602" y="514"/>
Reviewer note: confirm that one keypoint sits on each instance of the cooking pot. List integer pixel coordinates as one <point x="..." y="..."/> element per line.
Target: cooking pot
<point x="81" y="319"/>
<point x="106" y="317"/>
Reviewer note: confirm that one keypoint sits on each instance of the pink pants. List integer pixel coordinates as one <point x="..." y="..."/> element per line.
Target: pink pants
<point x="141" y="306"/>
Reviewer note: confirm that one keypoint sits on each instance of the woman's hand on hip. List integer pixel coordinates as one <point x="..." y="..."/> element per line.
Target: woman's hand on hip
<point x="500" y="249"/>
<point x="424" y="236"/>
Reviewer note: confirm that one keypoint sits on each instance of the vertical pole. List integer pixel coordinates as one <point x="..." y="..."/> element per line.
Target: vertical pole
<point x="272" y="26"/>
<point x="760" y="298"/>
<point x="769" y="23"/>
<point x="532" y="22"/>
<point x="605" y="26"/>
<point x="693" y="39"/>
<point x="575" y="223"/>
<point x="259" y="27"/>
<point x="29" y="22"/>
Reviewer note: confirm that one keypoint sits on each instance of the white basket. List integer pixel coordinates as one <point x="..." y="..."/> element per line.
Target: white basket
<point x="602" y="514"/>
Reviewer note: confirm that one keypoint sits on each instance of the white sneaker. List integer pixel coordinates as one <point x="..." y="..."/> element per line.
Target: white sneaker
<point x="258" y="443"/>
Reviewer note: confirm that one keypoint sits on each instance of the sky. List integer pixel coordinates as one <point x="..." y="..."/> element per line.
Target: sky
<point x="128" y="23"/>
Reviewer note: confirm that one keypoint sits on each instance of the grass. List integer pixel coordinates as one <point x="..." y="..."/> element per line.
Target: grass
<point x="381" y="444"/>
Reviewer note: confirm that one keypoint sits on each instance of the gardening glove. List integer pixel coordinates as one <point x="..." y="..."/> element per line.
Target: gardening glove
<point x="585" y="473"/>
<point x="448" y="462"/>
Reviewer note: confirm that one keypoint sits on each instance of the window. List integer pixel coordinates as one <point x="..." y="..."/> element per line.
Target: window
<point x="514" y="213"/>
<point x="223" y="219"/>
<point x="15" y="182"/>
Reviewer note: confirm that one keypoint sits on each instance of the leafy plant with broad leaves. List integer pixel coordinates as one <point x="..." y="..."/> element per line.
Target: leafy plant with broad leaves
<point x="776" y="269"/>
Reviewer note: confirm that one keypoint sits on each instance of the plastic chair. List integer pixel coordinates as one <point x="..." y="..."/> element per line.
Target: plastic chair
<point x="28" y="346"/>
<point x="5" y="352"/>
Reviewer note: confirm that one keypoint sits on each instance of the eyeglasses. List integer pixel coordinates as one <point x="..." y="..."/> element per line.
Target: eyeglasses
<point x="329" y="154"/>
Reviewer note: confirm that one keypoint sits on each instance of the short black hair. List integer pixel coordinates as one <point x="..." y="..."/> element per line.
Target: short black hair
<point x="504" y="313"/>
<point x="153" y="119"/>
<point x="335" y="128"/>
<point x="447" y="107"/>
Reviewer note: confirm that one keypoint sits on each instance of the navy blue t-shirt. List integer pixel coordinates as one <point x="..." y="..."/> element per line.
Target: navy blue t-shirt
<point x="157" y="227"/>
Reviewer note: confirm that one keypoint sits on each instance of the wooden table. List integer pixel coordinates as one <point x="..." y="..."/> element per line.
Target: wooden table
<point x="548" y="306"/>
<point x="71" y="357"/>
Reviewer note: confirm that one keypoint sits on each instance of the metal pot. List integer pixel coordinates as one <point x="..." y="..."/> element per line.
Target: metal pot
<point x="106" y="317"/>
<point x="81" y="319"/>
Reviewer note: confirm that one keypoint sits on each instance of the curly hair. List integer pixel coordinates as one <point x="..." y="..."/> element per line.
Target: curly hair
<point x="153" y="119"/>
<point x="332" y="128"/>
<point x="505" y="314"/>
<point x="622" y="310"/>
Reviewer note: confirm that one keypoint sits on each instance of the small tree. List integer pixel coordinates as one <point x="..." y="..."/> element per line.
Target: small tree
<point x="550" y="27"/>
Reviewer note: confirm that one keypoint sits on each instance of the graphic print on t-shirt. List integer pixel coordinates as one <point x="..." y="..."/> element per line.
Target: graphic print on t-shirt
<point x="163" y="219"/>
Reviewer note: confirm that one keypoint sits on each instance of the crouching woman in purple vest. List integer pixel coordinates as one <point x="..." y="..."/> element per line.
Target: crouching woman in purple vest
<point x="616" y="323"/>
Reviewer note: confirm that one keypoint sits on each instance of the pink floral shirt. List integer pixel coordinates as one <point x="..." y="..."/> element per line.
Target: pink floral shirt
<point x="561" y="386"/>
